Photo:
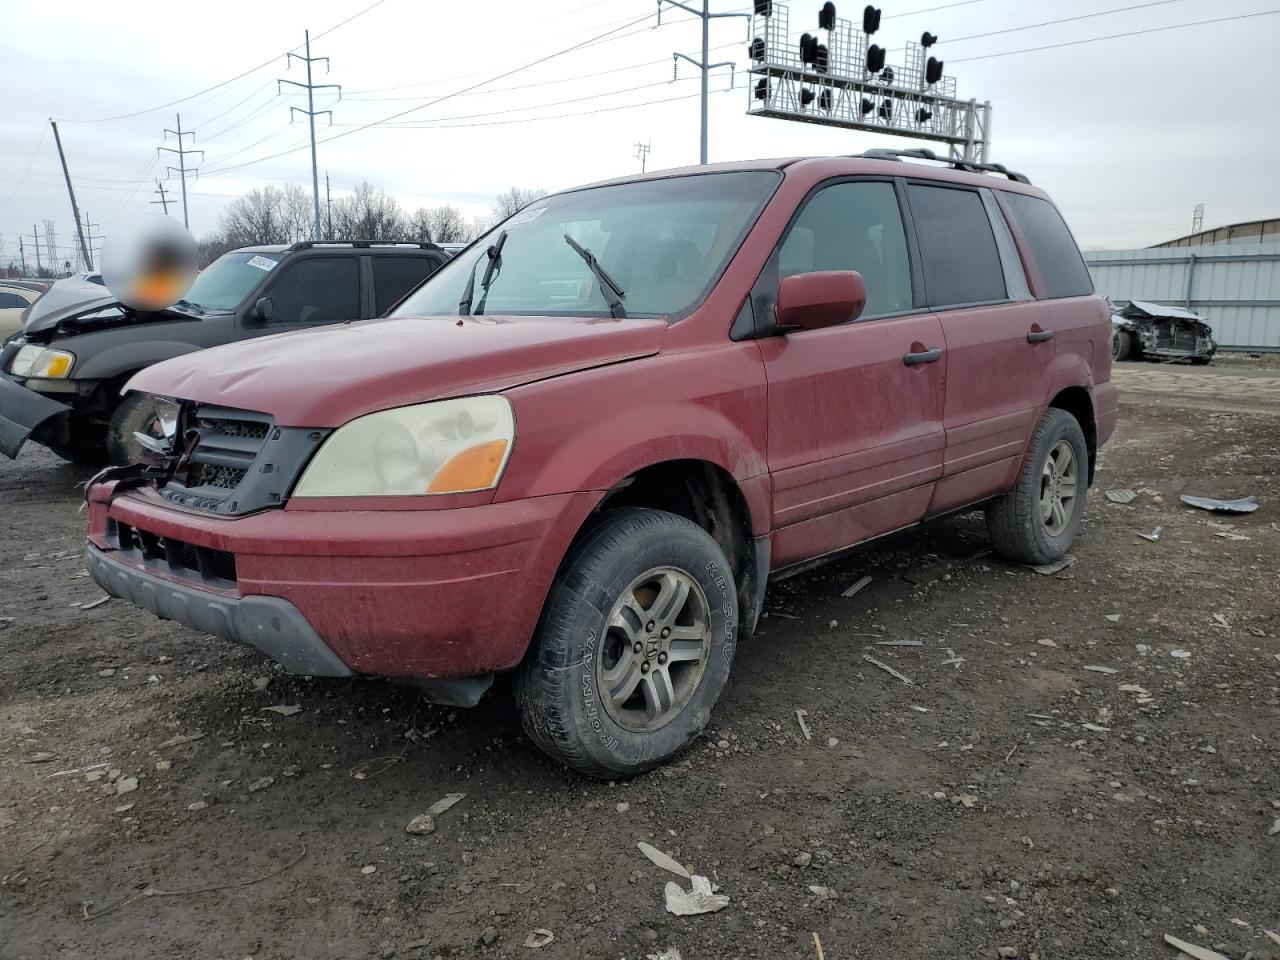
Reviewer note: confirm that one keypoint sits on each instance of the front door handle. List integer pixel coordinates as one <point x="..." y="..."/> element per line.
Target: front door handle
<point x="1039" y="336"/>
<point x="925" y="356"/>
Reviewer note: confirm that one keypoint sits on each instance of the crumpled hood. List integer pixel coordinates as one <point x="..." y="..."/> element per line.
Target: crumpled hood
<point x="56" y="306"/>
<point x="327" y="376"/>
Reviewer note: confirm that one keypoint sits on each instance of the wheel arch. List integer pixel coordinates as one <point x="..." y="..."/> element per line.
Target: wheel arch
<point x="1078" y="402"/>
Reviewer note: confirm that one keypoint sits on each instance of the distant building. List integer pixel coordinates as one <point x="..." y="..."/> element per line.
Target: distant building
<point x="1252" y="231"/>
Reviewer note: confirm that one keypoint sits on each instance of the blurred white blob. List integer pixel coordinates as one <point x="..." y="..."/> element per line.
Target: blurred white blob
<point x="149" y="262"/>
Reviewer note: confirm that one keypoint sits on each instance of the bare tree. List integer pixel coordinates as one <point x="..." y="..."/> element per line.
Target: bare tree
<point x="419" y="226"/>
<point x="296" y="213"/>
<point x="515" y="200"/>
<point x="369" y="214"/>
<point x="446" y="224"/>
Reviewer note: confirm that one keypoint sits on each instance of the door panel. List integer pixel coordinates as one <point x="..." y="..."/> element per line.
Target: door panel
<point x="855" y="434"/>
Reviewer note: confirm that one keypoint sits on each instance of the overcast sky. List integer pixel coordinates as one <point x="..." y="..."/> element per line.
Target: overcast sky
<point x="1127" y="134"/>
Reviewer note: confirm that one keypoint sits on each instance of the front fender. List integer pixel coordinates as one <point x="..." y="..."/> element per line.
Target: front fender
<point x="22" y="412"/>
<point x="129" y="357"/>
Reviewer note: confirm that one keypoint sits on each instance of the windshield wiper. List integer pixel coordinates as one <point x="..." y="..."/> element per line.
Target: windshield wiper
<point x="494" y="253"/>
<point x="608" y="286"/>
<point x="194" y="307"/>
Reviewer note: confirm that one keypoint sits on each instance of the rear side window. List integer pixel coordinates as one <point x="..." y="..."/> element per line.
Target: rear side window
<point x="393" y="277"/>
<point x="853" y="226"/>
<point x="957" y="247"/>
<point x="11" y="300"/>
<point x="1061" y="267"/>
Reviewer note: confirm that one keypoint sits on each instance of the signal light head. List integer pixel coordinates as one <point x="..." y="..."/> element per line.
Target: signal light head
<point x="827" y="16"/>
<point x="886" y="110"/>
<point x="933" y="71"/>
<point x="824" y="101"/>
<point x="808" y="48"/>
<point x="923" y="115"/>
<point x="764" y="8"/>
<point x="928" y="39"/>
<point x="875" y="58"/>
<point x="762" y="89"/>
<point x="870" y="19"/>
<point x="806" y="96"/>
<point x="867" y="105"/>
<point x="821" y="58"/>
<point x="887" y="75"/>
<point x="757" y="49"/>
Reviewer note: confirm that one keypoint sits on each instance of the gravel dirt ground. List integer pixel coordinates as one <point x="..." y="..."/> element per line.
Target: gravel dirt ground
<point x="1083" y="762"/>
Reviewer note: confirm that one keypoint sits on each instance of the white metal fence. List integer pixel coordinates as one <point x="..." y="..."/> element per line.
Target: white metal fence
<point x="1235" y="287"/>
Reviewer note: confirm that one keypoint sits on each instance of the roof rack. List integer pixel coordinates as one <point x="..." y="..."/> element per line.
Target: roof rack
<point x="308" y="244"/>
<point x="921" y="153"/>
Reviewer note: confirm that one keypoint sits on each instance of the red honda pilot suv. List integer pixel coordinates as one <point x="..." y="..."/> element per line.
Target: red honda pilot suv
<point x="581" y="449"/>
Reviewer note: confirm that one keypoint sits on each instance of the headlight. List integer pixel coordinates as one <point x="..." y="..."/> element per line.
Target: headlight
<point x="450" y="446"/>
<point x="34" y="360"/>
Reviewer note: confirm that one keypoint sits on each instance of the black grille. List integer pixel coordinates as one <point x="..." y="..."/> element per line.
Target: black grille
<point x="177" y="557"/>
<point x="240" y="460"/>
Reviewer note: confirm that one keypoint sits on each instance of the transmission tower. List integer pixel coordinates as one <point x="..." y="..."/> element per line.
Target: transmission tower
<point x="1197" y="218"/>
<point x="311" y="113"/>
<point x="164" y="201"/>
<point x="182" y="152"/>
<point x="642" y="154"/>
<point x="706" y="16"/>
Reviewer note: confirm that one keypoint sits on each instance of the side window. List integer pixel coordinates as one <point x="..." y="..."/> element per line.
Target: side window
<point x="317" y="290"/>
<point x="393" y="277"/>
<point x="958" y="250"/>
<point x="11" y="300"/>
<point x="853" y="226"/>
<point x="1056" y="254"/>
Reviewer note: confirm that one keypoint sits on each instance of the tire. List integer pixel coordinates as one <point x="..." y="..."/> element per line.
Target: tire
<point x="577" y="654"/>
<point x="84" y="445"/>
<point x="1016" y="521"/>
<point x="134" y="412"/>
<point x="1121" y="345"/>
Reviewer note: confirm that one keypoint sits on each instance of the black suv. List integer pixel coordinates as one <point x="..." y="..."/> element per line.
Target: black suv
<point x="61" y="378"/>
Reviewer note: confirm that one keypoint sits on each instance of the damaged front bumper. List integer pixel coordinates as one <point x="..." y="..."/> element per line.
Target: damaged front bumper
<point x="24" y="412"/>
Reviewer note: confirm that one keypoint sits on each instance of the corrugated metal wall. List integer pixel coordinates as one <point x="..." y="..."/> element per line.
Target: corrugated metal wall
<point x="1236" y="287"/>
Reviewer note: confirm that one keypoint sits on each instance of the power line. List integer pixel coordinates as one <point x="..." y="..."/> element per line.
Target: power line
<point x="182" y="152"/>
<point x="447" y="96"/>
<point x="1117" y="36"/>
<point x="238" y="76"/>
<point x="704" y="65"/>
<point x="1054" y="23"/>
<point x="311" y="113"/>
<point x="23" y="179"/>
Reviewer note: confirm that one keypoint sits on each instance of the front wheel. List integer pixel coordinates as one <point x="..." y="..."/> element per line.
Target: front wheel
<point x="634" y="646"/>
<point x="1038" y="519"/>
<point x="135" y="413"/>
<point x="1121" y="345"/>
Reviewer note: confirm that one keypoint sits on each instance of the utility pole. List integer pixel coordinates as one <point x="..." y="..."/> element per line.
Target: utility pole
<point x="311" y="113"/>
<point x="328" y="208"/>
<point x="22" y="252"/>
<point x="642" y="153"/>
<point x="706" y="16"/>
<point x="164" y="200"/>
<point x="75" y="211"/>
<point x="35" y="235"/>
<point x="88" y="235"/>
<point x="182" y="152"/>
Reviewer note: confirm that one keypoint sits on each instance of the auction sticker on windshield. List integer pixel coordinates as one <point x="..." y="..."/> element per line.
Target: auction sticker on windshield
<point x="262" y="263"/>
<point x="527" y="214"/>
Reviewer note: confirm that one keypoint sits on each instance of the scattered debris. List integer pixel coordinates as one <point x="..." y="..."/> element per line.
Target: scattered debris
<point x="421" y="825"/>
<point x="1121" y="496"/>
<point x="824" y="893"/>
<point x="261" y="784"/>
<point x="261" y="683"/>
<point x="1097" y="669"/>
<point x="40" y="756"/>
<point x="1275" y="828"/>
<point x="1220" y="621"/>
<point x="671" y="953"/>
<point x="899" y="643"/>
<point x="966" y="800"/>
<point x="126" y="785"/>
<point x="96" y="603"/>
<point x="68" y="773"/>
<point x="804" y="727"/>
<point x="856" y="587"/>
<point x="1113" y="617"/>
<point x="665" y="861"/>
<point x="952" y="659"/>
<point x="887" y="669"/>
<point x="179" y="740"/>
<point x="1180" y="654"/>
<point x="802" y="859"/>
<point x="539" y="938"/>
<point x="701" y="899"/>
<point x="1046" y="642"/>
<point x="1095" y="728"/>
<point x="368" y="869"/>
<point x="920" y="709"/>
<point x="197" y="806"/>
<point x="1243" y="505"/>
<point x="1191" y="950"/>
<point x="818" y="946"/>
<point x="1153" y="536"/>
<point x="1275" y="937"/>
<point x="1056" y="566"/>
<point x="285" y="710"/>
<point x="444" y="803"/>
<point x="623" y="807"/>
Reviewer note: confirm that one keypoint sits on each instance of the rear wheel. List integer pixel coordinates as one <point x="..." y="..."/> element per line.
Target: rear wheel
<point x="1121" y="345"/>
<point x="634" y="647"/>
<point x="1037" y="520"/>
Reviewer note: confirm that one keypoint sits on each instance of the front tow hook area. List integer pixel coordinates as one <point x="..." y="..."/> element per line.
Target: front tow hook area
<point x="22" y="412"/>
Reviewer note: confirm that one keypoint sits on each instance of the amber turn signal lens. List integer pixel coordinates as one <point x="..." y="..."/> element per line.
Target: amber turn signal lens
<point x="475" y="468"/>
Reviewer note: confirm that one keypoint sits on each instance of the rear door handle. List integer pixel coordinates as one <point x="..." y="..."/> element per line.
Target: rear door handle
<point x="1039" y="336"/>
<point x="926" y="356"/>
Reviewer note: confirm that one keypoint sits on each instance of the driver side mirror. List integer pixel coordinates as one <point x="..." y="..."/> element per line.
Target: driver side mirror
<point x="262" y="309"/>
<point x="811" y="301"/>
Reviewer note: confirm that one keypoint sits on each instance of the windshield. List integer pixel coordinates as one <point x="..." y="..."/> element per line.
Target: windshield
<point x="227" y="281"/>
<point x="664" y="243"/>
